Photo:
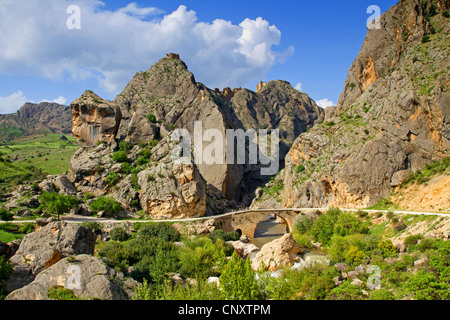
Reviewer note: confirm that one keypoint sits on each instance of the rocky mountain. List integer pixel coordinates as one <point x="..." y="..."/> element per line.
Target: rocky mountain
<point x="144" y="115"/>
<point x="33" y="118"/>
<point x="392" y="118"/>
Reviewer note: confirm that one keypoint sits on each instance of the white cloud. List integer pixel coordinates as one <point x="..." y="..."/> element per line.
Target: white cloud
<point x="112" y="46"/>
<point x="325" y="103"/>
<point x="60" y="100"/>
<point x="11" y="103"/>
<point x="299" y="87"/>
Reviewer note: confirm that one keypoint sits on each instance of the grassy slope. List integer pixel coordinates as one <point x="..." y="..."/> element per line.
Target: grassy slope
<point x="45" y="151"/>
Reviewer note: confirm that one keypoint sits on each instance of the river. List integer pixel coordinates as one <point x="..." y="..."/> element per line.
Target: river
<point x="271" y="229"/>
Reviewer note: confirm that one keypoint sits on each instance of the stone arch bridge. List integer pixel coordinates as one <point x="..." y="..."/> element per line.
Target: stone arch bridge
<point x="245" y="222"/>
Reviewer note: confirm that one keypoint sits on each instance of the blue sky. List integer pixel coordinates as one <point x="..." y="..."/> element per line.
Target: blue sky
<point x="311" y="44"/>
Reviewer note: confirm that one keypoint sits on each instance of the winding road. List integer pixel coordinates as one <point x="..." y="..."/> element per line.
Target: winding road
<point x="80" y="219"/>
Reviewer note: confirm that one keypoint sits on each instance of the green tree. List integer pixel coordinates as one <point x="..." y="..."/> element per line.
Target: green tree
<point x="106" y="204"/>
<point x="238" y="280"/>
<point x="57" y="204"/>
<point x="323" y="228"/>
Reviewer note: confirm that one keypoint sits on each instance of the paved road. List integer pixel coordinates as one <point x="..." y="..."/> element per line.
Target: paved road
<point x="80" y="219"/>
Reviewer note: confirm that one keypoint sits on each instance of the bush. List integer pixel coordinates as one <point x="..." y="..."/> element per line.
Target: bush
<point x="426" y="38"/>
<point x="152" y="118"/>
<point x="5" y="215"/>
<point x="323" y="228"/>
<point x="446" y="14"/>
<point x="300" y="168"/>
<point x="225" y="236"/>
<point x="387" y="248"/>
<point x="238" y="280"/>
<point x="303" y="224"/>
<point x="347" y="224"/>
<point x="112" y="178"/>
<point x="346" y="291"/>
<point x="163" y="231"/>
<point x="106" y="204"/>
<point x="119" y="234"/>
<point x="120" y="156"/>
<point x="96" y="227"/>
<point x="125" y="146"/>
<point x="425" y="286"/>
<point x="381" y="294"/>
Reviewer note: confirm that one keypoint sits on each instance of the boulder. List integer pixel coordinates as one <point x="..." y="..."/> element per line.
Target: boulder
<point x="172" y="191"/>
<point x="45" y="247"/>
<point x="86" y="276"/>
<point x="278" y="253"/>
<point x="94" y="119"/>
<point x="243" y="249"/>
<point x="64" y="186"/>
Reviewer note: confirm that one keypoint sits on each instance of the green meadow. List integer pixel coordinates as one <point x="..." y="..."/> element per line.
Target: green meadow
<point x="31" y="158"/>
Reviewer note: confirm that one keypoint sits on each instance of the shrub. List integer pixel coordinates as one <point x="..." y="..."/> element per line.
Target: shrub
<point x="381" y="294"/>
<point x="125" y="146"/>
<point x="346" y="291"/>
<point x="119" y="234"/>
<point x="106" y="204"/>
<point x="152" y="118"/>
<point x="61" y="293"/>
<point x="300" y="168"/>
<point x="352" y="85"/>
<point x="323" y="227"/>
<point x="163" y="231"/>
<point x="303" y="224"/>
<point x="225" y="236"/>
<point x="96" y="227"/>
<point x="446" y="14"/>
<point x="426" y="38"/>
<point x="5" y="215"/>
<point x="238" y="280"/>
<point x="126" y="168"/>
<point x="347" y="224"/>
<point x="112" y="178"/>
<point x="387" y="248"/>
<point x="425" y="286"/>
<point x="120" y="156"/>
<point x="412" y="241"/>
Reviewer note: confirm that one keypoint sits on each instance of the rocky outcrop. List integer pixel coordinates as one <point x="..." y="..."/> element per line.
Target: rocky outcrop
<point x="172" y="191"/>
<point x="86" y="276"/>
<point x="392" y="120"/>
<point x="94" y="119"/>
<point x="52" y="115"/>
<point x="46" y="246"/>
<point x="145" y="114"/>
<point x="33" y="119"/>
<point x="59" y="183"/>
<point x="278" y="253"/>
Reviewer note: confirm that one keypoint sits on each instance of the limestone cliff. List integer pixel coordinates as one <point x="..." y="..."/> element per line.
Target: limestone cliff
<point x="145" y="114"/>
<point x="392" y="118"/>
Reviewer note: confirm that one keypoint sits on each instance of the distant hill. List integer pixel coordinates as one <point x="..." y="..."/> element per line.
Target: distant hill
<point x="34" y="118"/>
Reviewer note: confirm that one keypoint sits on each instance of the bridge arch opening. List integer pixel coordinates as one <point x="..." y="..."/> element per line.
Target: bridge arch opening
<point x="268" y="229"/>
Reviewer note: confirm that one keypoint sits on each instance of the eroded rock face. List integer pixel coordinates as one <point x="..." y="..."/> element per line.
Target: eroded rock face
<point x="45" y="247"/>
<point x="94" y="119"/>
<point x="155" y="103"/>
<point x="278" y="253"/>
<point x="172" y="191"/>
<point x="387" y="125"/>
<point x="86" y="276"/>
